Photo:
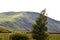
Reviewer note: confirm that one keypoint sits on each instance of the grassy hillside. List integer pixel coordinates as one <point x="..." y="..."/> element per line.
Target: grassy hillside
<point x="4" y="30"/>
<point x="22" y="21"/>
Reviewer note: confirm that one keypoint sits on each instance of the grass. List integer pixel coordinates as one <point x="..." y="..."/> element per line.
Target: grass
<point x="5" y="36"/>
<point x="54" y="37"/>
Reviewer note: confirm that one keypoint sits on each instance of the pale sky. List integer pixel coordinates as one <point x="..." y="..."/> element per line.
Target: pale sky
<point x="52" y="6"/>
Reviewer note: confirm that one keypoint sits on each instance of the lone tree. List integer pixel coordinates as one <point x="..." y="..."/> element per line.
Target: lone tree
<point x="39" y="29"/>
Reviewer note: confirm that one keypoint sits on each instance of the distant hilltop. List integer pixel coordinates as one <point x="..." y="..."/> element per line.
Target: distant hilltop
<point x="22" y="21"/>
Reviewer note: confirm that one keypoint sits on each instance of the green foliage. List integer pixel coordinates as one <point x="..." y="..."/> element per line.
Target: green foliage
<point x="19" y="36"/>
<point x="39" y="29"/>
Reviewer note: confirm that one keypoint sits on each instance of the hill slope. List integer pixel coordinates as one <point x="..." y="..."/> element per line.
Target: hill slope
<point x="22" y="21"/>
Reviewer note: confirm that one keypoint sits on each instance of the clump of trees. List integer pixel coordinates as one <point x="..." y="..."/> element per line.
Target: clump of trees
<point x="18" y="36"/>
<point x="39" y="31"/>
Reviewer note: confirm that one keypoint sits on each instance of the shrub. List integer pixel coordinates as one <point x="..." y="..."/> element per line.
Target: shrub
<point x="18" y="36"/>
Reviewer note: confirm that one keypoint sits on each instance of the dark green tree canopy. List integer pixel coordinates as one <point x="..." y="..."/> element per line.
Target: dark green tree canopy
<point x="40" y="29"/>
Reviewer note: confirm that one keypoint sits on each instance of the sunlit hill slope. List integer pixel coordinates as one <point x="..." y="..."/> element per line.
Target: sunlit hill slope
<point x="22" y="21"/>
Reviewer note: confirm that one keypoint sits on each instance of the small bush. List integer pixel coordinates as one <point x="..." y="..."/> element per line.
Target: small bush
<point x="18" y="36"/>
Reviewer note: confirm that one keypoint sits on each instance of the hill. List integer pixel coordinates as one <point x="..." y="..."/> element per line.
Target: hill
<point x="22" y="21"/>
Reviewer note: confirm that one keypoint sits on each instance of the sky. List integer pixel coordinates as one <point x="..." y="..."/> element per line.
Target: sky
<point x="52" y="6"/>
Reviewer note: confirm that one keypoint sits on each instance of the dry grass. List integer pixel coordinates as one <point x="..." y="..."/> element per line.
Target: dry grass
<point x="5" y="36"/>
